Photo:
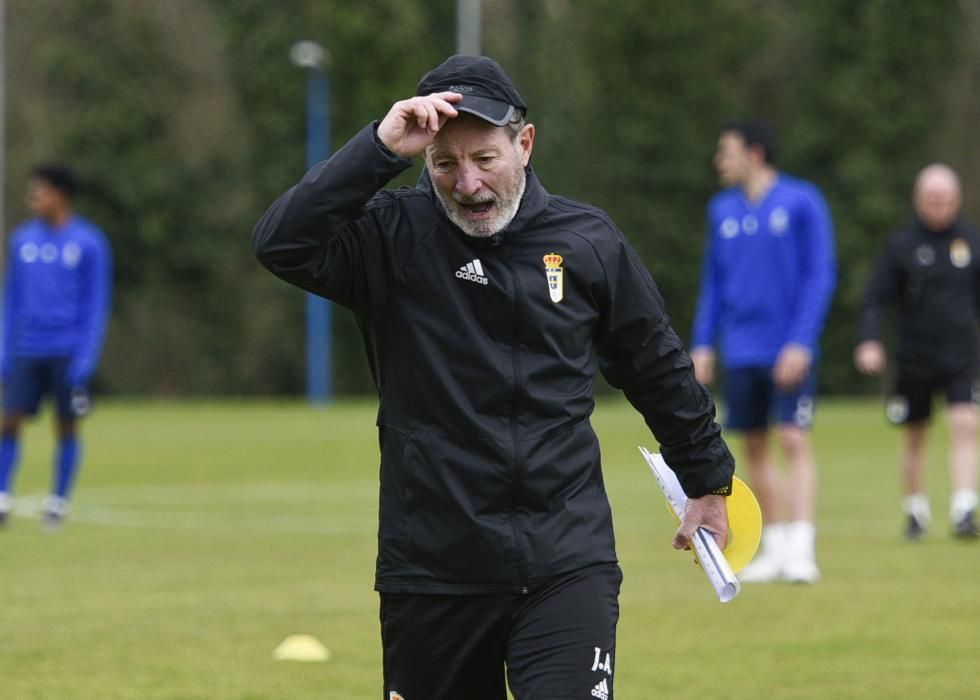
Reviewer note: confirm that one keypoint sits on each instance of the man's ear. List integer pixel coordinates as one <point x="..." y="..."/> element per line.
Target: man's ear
<point x="526" y="142"/>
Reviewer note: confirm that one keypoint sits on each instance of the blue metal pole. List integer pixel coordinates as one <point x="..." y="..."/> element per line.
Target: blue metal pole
<point x="319" y="345"/>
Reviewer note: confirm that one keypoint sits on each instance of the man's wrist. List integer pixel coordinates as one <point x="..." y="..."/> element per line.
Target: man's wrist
<point x="723" y="491"/>
<point x="385" y="150"/>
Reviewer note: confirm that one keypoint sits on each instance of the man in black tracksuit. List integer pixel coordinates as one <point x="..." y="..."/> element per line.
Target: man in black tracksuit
<point x="487" y="306"/>
<point x="931" y="271"/>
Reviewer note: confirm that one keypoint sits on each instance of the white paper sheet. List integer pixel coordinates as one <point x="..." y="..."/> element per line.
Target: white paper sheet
<point x="712" y="559"/>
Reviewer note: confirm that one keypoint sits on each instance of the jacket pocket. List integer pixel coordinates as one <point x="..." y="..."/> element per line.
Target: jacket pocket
<point x="459" y="508"/>
<point x="394" y="502"/>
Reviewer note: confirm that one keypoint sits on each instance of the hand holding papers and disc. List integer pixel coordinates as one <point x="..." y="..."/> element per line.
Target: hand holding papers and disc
<point x="744" y="522"/>
<point x="744" y="536"/>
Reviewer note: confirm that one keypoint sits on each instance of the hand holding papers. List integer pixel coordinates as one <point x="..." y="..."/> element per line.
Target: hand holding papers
<point x="745" y="525"/>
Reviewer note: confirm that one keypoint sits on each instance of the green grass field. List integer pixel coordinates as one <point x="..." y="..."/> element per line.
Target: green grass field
<point x="205" y="533"/>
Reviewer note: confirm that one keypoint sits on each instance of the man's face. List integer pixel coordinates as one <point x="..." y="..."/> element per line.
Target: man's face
<point x="733" y="159"/>
<point x="478" y="173"/>
<point x="937" y="200"/>
<point x="43" y="199"/>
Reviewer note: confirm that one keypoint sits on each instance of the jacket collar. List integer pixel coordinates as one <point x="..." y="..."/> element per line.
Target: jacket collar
<point x="533" y="203"/>
<point x="950" y="230"/>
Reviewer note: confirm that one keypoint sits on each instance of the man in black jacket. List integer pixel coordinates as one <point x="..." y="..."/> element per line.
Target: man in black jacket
<point x="487" y="306"/>
<point x="931" y="271"/>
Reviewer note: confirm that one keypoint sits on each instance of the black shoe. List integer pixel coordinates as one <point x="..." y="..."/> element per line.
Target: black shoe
<point x="914" y="530"/>
<point x="3" y="517"/>
<point x="966" y="528"/>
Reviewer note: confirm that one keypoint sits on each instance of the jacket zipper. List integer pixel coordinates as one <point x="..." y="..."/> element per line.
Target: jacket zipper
<point x="514" y="413"/>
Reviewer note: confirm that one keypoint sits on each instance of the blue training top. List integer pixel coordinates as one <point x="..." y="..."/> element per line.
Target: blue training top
<point x="768" y="274"/>
<point x="57" y="294"/>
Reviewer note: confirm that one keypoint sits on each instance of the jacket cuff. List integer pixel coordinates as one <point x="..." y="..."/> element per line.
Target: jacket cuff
<point x="385" y="151"/>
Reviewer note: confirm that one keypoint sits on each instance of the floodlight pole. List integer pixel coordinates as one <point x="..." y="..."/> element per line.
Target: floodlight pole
<point x="3" y="130"/>
<point x="468" y="30"/>
<point x="319" y="346"/>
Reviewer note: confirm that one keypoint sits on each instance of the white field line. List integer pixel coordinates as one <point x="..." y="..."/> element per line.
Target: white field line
<point x="255" y="507"/>
<point x="251" y="492"/>
<point x="265" y="507"/>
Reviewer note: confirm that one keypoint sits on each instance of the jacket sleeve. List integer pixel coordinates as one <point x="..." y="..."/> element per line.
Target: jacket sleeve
<point x="96" y="305"/>
<point x="707" y="311"/>
<point x="975" y="251"/>
<point x="9" y="309"/>
<point x="887" y="282"/>
<point x="818" y="276"/>
<point x="320" y="235"/>
<point x="642" y="355"/>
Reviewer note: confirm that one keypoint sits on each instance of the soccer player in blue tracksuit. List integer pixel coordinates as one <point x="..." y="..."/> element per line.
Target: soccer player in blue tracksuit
<point x="768" y="278"/>
<point x="57" y="292"/>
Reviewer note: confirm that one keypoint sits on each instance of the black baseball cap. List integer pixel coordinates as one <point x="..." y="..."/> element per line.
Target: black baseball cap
<point x="487" y="91"/>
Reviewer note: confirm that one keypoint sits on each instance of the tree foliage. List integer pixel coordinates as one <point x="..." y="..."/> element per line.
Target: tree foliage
<point x="186" y="118"/>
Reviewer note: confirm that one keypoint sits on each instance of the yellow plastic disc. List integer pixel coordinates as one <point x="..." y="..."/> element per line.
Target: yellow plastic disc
<point x="744" y="525"/>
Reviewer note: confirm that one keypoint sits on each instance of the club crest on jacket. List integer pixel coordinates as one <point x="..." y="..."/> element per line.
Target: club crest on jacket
<point x="553" y="271"/>
<point x="959" y="253"/>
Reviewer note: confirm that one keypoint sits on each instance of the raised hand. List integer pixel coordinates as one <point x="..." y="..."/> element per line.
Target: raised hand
<point x="412" y="124"/>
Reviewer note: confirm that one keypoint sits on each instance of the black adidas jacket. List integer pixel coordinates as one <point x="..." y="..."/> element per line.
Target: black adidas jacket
<point x="490" y="469"/>
<point x="933" y="278"/>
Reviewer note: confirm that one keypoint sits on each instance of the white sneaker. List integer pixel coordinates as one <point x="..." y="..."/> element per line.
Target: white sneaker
<point x="800" y="564"/>
<point x="6" y="505"/>
<point x="801" y="570"/>
<point x="765" y="568"/>
<point x="55" y="510"/>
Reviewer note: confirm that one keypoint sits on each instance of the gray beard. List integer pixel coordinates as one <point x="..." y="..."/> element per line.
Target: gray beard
<point x="508" y="203"/>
